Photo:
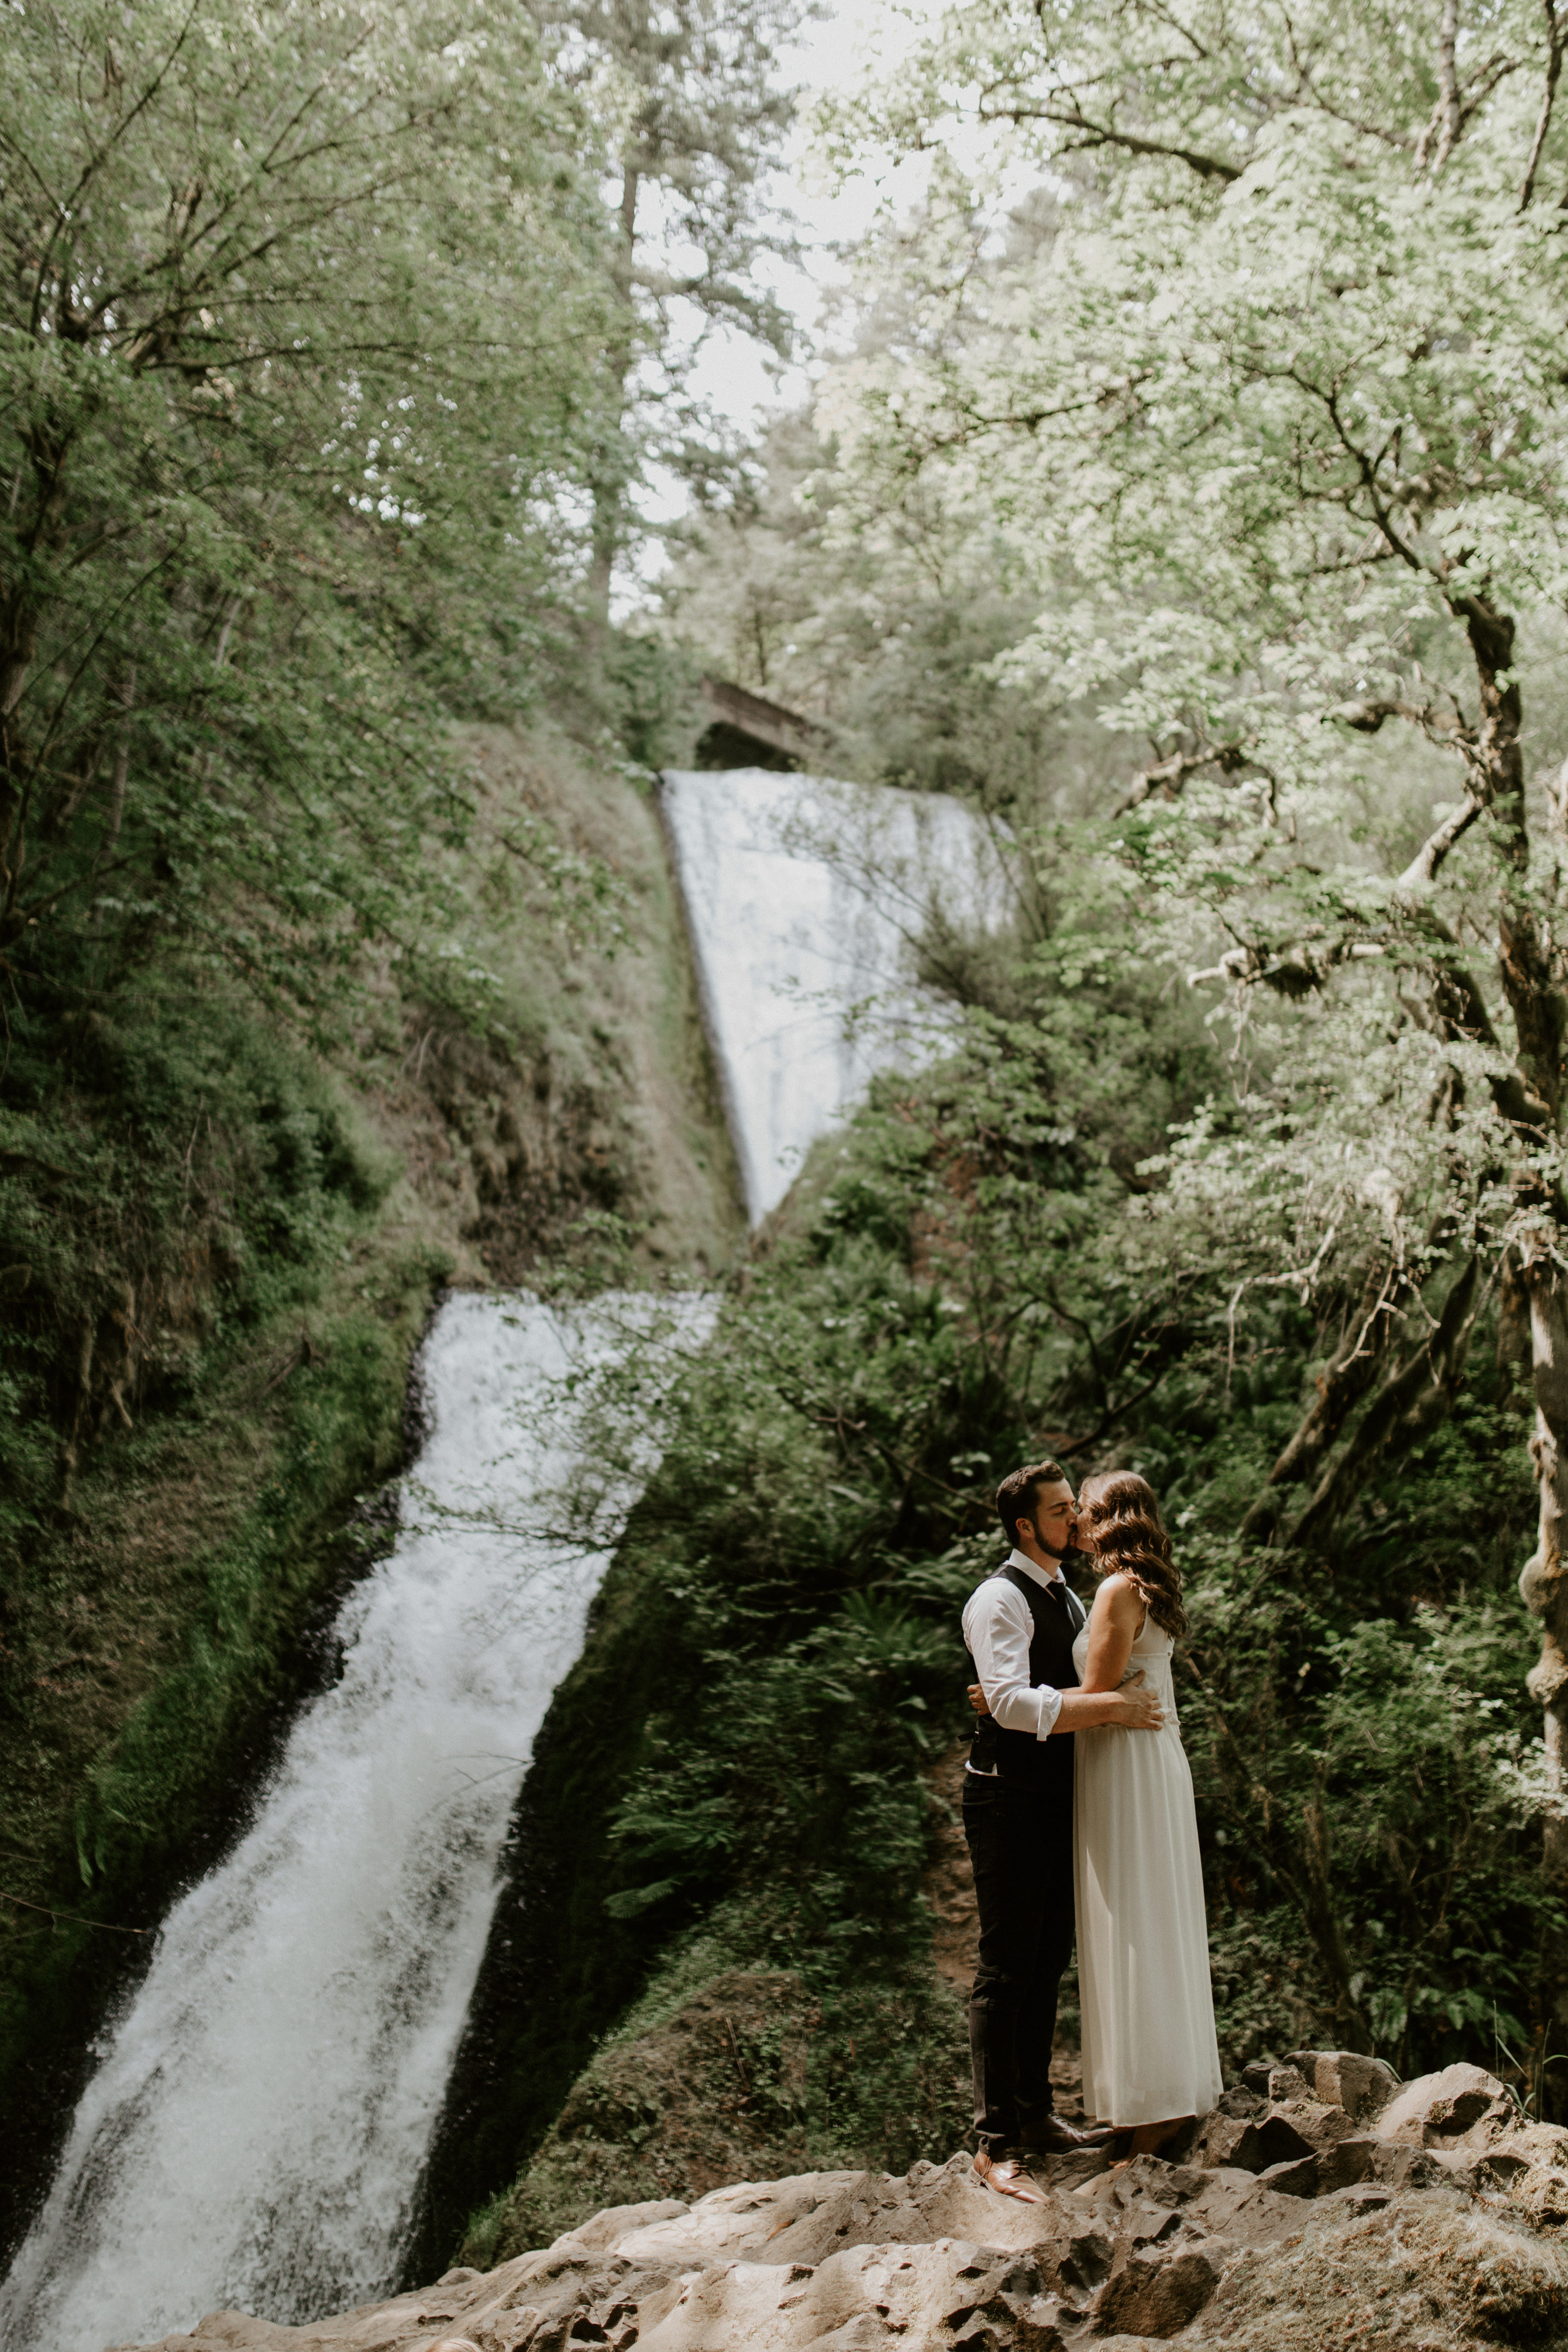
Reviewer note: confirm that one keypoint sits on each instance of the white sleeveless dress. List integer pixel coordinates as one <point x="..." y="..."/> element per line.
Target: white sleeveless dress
<point x="1148" y="2048"/>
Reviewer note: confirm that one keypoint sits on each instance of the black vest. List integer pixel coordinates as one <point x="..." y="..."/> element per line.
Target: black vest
<point x="1043" y="1764"/>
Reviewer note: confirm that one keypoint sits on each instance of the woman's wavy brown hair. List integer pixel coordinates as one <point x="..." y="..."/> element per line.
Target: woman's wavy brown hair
<point x="1122" y="1513"/>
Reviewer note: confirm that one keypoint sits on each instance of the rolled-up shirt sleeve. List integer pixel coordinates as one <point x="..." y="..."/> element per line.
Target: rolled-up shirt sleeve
<point x="998" y="1628"/>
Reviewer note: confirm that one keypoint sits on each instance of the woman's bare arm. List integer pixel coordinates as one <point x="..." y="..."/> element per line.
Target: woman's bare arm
<point x="1113" y="1627"/>
<point x="1134" y="1707"/>
<point x="1101" y="1698"/>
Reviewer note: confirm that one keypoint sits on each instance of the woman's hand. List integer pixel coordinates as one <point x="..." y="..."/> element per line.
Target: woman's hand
<point x="977" y="1698"/>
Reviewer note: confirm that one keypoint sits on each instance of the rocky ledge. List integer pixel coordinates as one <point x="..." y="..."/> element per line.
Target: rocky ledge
<point x="1322" y="2204"/>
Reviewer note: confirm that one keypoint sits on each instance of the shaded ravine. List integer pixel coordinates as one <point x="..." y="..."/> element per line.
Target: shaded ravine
<point x="263" y="2113"/>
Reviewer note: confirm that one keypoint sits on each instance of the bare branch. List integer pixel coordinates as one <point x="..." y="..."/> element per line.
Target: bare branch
<point x="1422" y="870"/>
<point x="1169" y="775"/>
<point x="1555" y="38"/>
<point x="1072" y="117"/>
<point x="1366" y="718"/>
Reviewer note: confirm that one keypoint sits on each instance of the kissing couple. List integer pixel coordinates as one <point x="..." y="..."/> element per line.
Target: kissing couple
<point x="1078" y="1798"/>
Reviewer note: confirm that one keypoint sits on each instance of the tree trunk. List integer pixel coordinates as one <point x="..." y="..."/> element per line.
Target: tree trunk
<point x="1543" y="1586"/>
<point x="1323" y="1921"/>
<point x="1538" y="1005"/>
<point x="1540" y="1012"/>
<point x="1342" y="1382"/>
<point x="1409" y="1405"/>
<point x="610" y="489"/>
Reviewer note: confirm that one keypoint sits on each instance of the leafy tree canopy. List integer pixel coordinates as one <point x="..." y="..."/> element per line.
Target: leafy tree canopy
<point x="1275" y="414"/>
<point x="303" y="318"/>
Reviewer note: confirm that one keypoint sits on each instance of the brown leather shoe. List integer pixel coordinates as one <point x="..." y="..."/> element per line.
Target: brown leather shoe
<point x="1009" y="2176"/>
<point x="1050" y="2136"/>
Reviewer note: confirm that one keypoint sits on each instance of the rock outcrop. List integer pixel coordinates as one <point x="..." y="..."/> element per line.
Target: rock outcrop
<point x="1322" y="2205"/>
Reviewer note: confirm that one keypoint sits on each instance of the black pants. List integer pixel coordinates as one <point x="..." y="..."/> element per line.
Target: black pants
<point x="1020" y="1841"/>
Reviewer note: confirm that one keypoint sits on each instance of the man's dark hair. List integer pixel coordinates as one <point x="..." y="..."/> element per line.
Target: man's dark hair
<point x="1018" y="1495"/>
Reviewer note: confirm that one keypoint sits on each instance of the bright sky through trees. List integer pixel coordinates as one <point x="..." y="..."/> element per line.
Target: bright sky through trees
<point x="736" y="376"/>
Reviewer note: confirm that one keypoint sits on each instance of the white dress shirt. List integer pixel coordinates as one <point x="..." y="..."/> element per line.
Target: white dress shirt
<point x="997" y="1631"/>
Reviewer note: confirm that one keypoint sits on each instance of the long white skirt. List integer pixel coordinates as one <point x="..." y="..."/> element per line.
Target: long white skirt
<point x="1149" y="2047"/>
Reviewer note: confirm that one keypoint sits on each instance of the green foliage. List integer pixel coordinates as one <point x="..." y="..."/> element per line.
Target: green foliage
<point x="1386" y="1692"/>
<point x="1365" y="1768"/>
<point x="168" y="1174"/>
<point x="964" y="1273"/>
<point x="301" y="313"/>
<point x="205" y="1361"/>
<point x="884" y="632"/>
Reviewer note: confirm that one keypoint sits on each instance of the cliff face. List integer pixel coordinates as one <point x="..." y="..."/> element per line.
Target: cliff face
<point x="1329" y="2207"/>
<point x="605" y="1099"/>
<point x="224" y="1434"/>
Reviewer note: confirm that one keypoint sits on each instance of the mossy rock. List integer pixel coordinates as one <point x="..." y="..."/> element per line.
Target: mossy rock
<point x="714" y="2092"/>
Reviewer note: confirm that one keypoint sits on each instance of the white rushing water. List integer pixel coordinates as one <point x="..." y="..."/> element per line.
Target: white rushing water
<point x="255" y="2132"/>
<point x="804" y="899"/>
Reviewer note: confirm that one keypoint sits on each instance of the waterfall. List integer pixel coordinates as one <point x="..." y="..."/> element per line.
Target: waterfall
<point x="254" y="2134"/>
<point x="805" y="899"/>
<point x="255" y="2131"/>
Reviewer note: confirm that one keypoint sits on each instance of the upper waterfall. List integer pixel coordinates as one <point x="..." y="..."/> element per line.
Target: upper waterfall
<point x="805" y="899"/>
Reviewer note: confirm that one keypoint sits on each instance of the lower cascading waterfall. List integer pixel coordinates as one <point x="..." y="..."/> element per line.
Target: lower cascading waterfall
<point x="254" y="2134"/>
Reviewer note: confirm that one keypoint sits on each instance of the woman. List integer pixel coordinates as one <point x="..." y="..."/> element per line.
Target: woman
<point x="1151" y="2061"/>
<point x="1150" y="2057"/>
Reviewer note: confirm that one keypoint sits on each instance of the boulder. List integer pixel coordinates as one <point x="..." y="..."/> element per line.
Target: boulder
<point x="1285" y="2081"/>
<point x="1223" y="2132"/>
<point x="1239" y="2206"/>
<point x="616" y="2221"/>
<point x="1367" y="2197"/>
<point x="1459" y="2105"/>
<point x="1341" y="2164"/>
<point x="1425" y="2247"/>
<point x="1362" y="2086"/>
<point x="1346" y="2164"/>
<point x="930" y="2201"/>
<point x="1150" y="2203"/>
<point x="1281" y="2134"/>
<point x="861" y="2300"/>
<point x="1157" y="2291"/>
<point x="1427" y="2272"/>
<point x="1530" y="2167"/>
<point x="1399" y="2166"/>
<point x="1297" y="2177"/>
<point x="1269" y="2139"/>
<point x="1315" y="2121"/>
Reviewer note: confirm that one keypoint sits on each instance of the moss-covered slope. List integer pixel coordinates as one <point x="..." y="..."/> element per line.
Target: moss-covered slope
<point x="219" y="1246"/>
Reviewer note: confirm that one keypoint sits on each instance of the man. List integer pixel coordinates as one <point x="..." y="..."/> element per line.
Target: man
<point x="1019" y="1627"/>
